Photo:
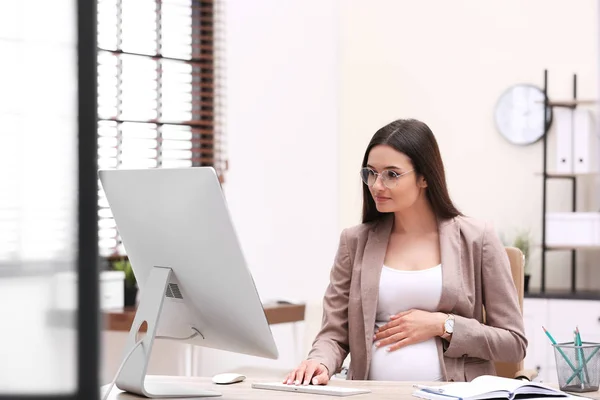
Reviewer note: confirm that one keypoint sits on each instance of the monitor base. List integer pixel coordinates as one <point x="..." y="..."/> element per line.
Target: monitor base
<point x="158" y="388"/>
<point x="132" y="375"/>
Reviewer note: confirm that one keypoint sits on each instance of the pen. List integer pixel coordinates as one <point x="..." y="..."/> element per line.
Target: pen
<point x="581" y="354"/>
<point x="580" y="362"/>
<point x="559" y="349"/>
<point x="432" y="389"/>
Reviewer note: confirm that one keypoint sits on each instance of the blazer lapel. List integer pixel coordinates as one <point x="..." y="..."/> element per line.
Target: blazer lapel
<point x="449" y="231"/>
<point x="372" y="263"/>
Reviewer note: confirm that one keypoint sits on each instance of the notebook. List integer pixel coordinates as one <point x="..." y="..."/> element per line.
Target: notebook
<point x="328" y="390"/>
<point x="488" y="387"/>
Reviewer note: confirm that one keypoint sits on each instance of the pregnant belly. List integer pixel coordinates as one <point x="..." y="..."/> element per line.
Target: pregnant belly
<point x="416" y="362"/>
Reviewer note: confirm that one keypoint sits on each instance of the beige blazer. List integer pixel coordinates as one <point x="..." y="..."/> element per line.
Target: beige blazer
<point x="475" y="273"/>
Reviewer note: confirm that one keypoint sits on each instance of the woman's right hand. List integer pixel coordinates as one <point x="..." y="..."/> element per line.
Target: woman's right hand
<point x="309" y="371"/>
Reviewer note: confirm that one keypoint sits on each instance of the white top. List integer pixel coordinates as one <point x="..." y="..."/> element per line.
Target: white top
<point x="400" y="291"/>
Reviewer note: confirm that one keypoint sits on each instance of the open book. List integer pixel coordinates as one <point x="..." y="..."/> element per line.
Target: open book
<point x="488" y="387"/>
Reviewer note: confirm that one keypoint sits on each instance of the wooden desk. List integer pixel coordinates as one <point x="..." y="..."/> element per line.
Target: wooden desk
<point x="243" y="390"/>
<point x="379" y="390"/>
<point x="121" y="319"/>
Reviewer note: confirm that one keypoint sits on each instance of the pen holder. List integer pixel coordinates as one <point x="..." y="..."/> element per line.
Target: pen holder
<point x="578" y="367"/>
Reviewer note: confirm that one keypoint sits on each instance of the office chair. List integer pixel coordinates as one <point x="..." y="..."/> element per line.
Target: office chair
<point x="517" y="268"/>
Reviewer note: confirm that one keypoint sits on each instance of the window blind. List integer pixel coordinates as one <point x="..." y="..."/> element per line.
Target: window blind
<point x="159" y="102"/>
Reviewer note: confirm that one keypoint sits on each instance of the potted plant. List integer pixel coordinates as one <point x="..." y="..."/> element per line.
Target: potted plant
<point x="522" y="241"/>
<point x="130" y="285"/>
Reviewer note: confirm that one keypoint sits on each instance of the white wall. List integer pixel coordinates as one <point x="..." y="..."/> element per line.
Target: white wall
<point x="282" y="141"/>
<point x="282" y="123"/>
<point x="447" y="63"/>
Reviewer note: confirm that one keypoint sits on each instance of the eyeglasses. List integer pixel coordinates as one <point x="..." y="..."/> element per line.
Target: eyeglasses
<point x="389" y="178"/>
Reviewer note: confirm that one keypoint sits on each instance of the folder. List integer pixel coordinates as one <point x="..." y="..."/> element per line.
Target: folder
<point x="564" y="140"/>
<point x="585" y="143"/>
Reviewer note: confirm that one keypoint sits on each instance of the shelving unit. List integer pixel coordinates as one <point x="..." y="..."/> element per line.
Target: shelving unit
<point x="564" y="175"/>
<point x="572" y="104"/>
<point x="579" y="247"/>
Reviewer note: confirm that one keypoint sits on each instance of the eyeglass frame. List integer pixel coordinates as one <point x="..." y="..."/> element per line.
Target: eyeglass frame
<point x="378" y="174"/>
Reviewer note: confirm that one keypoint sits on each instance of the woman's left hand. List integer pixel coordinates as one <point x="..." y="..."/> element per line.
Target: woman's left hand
<point x="410" y="327"/>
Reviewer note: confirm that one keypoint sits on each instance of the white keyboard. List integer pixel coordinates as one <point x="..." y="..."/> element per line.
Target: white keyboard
<point x="312" y="389"/>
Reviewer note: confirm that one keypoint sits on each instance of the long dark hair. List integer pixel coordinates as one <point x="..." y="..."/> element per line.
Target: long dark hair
<point x="415" y="139"/>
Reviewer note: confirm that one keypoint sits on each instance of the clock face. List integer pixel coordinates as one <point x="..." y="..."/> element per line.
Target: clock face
<point x="520" y="114"/>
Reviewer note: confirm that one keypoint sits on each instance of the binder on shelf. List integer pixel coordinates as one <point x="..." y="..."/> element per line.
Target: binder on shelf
<point x="585" y="143"/>
<point x="564" y="140"/>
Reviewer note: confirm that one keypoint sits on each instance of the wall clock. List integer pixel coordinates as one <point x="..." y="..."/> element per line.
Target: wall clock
<point x="519" y="114"/>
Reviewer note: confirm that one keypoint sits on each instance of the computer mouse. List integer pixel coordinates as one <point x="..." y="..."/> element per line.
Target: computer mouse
<point x="228" y="378"/>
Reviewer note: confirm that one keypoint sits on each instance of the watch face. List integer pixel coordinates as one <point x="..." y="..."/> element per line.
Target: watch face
<point x="519" y="114"/>
<point x="449" y="325"/>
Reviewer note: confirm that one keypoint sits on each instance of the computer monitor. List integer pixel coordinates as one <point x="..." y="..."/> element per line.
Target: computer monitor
<point x="194" y="283"/>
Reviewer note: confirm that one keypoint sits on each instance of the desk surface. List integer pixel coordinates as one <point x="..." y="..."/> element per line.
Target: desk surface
<point x="379" y="390"/>
<point x="243" y="390"/>
<point x="121" y="319"/>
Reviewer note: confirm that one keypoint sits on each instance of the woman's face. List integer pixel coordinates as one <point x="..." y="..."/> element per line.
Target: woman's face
<point x="402" y="188"/>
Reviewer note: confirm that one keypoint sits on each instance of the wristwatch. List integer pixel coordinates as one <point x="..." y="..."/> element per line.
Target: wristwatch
<point x="448" y="327"/>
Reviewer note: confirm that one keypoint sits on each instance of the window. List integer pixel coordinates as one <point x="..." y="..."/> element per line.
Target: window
<point x="158" y="91"/>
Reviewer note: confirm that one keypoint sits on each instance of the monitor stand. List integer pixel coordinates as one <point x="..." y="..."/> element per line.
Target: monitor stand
<point x="133" y="373"/>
